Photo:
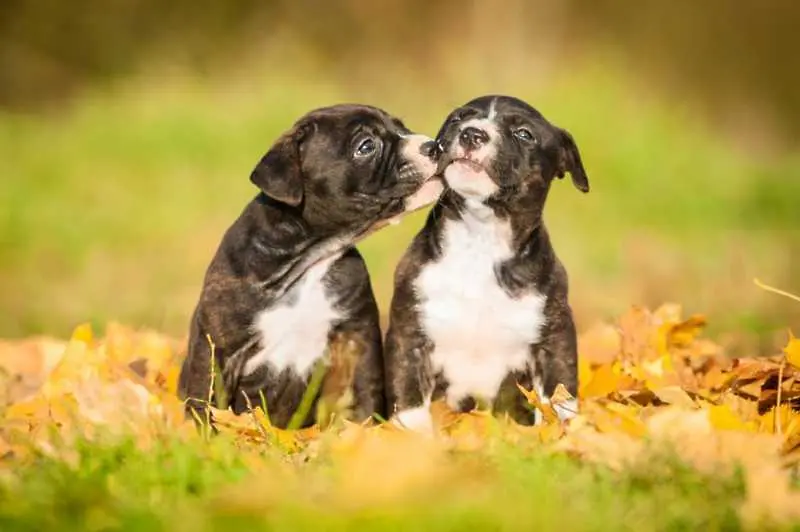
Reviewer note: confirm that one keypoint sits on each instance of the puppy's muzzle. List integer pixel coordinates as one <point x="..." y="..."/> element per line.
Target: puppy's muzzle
<point x="472" y="138"/>
<point x="431" y="149"/>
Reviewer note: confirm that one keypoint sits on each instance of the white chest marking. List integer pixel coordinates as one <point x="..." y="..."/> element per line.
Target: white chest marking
<point x="480" y="333"/>
<point x="294" y="333"/>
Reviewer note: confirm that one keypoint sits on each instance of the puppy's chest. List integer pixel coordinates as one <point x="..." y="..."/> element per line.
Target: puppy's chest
<point x="294" y="333"/>
<point x="479" y="331"/>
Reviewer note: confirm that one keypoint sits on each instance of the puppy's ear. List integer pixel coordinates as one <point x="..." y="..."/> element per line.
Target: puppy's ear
<point x="569" y="160"/>
<point x="278" y="174"/>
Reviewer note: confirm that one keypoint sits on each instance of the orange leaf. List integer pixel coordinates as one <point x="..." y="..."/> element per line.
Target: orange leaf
<point x="600" y="344"/>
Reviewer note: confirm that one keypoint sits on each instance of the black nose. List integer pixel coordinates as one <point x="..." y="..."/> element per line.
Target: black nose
<point x="473" y="138"/>
<point x="431" y="149"/>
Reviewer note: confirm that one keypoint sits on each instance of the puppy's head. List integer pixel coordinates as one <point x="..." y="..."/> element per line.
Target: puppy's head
<point x="349" y="167"/>
<point x="498" y="149"/>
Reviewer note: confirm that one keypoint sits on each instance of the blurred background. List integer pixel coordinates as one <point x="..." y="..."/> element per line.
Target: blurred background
<point x="128" y="130"/>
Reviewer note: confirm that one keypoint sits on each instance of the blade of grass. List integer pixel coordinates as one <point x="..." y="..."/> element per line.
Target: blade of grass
<point x="776" y="290"/>
<point x="314" y="385"/>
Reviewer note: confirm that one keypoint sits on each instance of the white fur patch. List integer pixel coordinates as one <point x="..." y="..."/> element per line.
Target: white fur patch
<point x="411" y="151"/>
<point x="492" y="110"/>
<point x="416" y="419"/>
<point x="480" y="333"/>
<point x="431" y="189"/>
<point x="294" y="333"/>
<point x="469" y="181"/>
<point x="466" y="179"/>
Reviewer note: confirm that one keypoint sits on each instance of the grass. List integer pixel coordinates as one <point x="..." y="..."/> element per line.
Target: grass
<point x="113" y="208"/>
<point x="180" y="484"/>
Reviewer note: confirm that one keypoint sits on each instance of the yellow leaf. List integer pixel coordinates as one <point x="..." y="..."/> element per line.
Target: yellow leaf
<point x="169" y="380"/>
<point x="82" y="333"/>
<point x="584" y="371"/>
<point x="628" y="419"/>
<point x="675" y="395"/>
<point x="776" y="419"/>
<point x="792" y="351"/>
<point x="551" y="432"/>
<point x="683" y="334"/>
<point x="549" y="414"/>
<point x="792" y="434"/>
<point x="604" y="381"/>
<point x="722" y="417"/>
<point x="561" y="395"/>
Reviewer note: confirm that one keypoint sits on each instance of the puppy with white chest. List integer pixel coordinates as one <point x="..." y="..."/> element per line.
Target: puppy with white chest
<point x="480" y="299"/>
<point x="287" y="279"/>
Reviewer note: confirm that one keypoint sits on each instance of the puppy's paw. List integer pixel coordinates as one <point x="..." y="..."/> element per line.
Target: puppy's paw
<point x="415" y="419"/>
<point x="566" y="410"/>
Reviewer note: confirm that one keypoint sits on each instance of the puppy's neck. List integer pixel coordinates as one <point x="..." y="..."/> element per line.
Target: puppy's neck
<point x="522" y="227"/>
<point x="282" y="247"/>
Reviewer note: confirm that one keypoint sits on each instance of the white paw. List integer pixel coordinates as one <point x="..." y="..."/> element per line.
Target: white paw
<point x="416" y="419"/>
<point x="565" y="410"/>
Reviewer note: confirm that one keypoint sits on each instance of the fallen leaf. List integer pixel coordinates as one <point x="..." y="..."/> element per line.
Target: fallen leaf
<point x="675" y="395"/>
<point x="792" y="351"/>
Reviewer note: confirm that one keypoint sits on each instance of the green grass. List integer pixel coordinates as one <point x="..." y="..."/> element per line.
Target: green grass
<point x="191" y="485"/>
<point x="113" y="208"/>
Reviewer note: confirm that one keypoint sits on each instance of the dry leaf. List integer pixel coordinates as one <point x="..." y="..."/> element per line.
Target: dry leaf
<point x="792" y="351"/>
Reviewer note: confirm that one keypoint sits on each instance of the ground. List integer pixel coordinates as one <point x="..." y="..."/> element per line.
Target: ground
<point x="672" y="435"/>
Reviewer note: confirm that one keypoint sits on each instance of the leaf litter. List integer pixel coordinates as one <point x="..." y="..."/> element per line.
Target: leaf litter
<point x="648" y="383"/>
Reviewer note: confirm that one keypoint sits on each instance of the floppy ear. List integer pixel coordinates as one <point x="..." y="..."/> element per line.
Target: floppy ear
<point x="278" y="174"/>
<point x="569" y="160"/>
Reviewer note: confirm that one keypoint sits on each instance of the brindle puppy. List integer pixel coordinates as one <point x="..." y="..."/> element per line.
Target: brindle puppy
<point x="286" y="278"/>
<point x="480" y="300"/>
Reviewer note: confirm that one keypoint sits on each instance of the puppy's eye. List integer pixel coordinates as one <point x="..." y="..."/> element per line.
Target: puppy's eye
<point x="365" y="148"/>
<point x="524" y="135"/>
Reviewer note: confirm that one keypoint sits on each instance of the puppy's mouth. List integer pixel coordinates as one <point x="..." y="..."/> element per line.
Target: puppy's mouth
<point x="467" y="176"/>
<point x="428" y="192"/>
<point x="472" y="164"/>
<point x="466" y="160"/>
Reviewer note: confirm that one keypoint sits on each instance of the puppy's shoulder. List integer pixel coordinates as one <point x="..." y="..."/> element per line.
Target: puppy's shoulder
<point x="349" y="270"/>
<point x="424" y="248"/>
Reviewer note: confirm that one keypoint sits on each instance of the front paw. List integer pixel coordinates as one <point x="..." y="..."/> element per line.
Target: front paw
<point x="417" y="419"/>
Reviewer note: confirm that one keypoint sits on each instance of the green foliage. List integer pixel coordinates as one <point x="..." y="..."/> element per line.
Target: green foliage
<point x="116" y="205"/>
<point x="176" y="485"/>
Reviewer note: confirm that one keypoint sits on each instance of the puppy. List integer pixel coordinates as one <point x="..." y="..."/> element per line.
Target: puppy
<point x="286" y="278"/>
<point x="480" y="298"/>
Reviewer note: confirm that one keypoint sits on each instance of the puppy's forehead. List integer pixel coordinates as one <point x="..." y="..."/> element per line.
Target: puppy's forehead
<point x="351" y="116"/>
<point x="495" y="105"/>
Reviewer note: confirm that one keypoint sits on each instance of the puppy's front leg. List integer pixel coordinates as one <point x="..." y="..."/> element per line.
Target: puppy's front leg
<point x="194" y="381"/>
<point x="410" y="379"/>
<point x="355" y="344"/>
<point x="359" y="339"/>
<point x="556" y="361"/>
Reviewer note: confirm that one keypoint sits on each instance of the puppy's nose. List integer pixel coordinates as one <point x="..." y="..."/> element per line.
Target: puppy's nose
<point x="473" y="138"/>
<point x="431" y="149"/>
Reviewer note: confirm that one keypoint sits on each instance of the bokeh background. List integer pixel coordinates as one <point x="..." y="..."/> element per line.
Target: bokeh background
<point x="128" y="129"/>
